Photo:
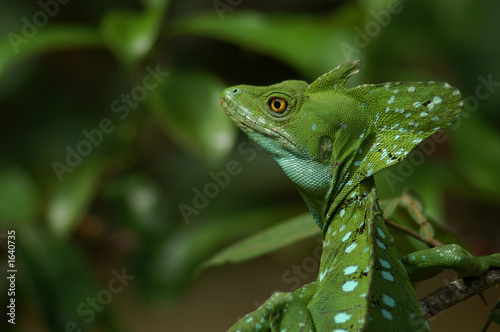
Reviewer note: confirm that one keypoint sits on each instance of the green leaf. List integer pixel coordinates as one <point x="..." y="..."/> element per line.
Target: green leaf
<point x="72" y="197"/>
<point x="309" y="44"/>
<point x="493" y="317"/>
<point x="132" y="35"/>
<point x="139" y="201"/>
<point x="477" y="155"/>
<point x="170" y="266"/>
<point x="18" y="46"/>
<point x="19" y="197"/>
<point x="285" y="233"/>
<point x="188" y="107"/>
<point x="56" y="277"/>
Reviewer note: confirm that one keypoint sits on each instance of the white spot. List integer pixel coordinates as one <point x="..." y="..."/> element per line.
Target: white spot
<point x="395" y="91"/>
<point x="424" y="114"/>
<point x="396" y="137"/>
<point x="349" y="285"/>
<point x="417" y="104"/>
<point x="387" y="109"/>
<point x="386" y="314"/>
<point x="249" y="319"/>
<point x="351" y="247"/>
<point x="346" y="237"/>
<point x="342" y="317"/>
<point x="342" y="212"/>
<point x="350" y="270"/>
<point x="391" y="100"/>
<point x="411" y="89"/>
<point x="389" y="301"/>
<point x="387" y="275"/>
<point x="322" y="275"/>
<point x="381" y="232"/>
<point x="456" y="92"/>
<point x="385" y="263"/>
<point x="384" y="154"/>
<point x="407" y="115"/>
<point x="381" y="244"/>
<point x="437" y="100"/>
<point x="313" y="127"/>
<point x="341" y="228"/>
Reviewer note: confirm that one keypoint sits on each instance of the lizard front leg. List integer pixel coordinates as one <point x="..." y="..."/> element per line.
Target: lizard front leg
<point x="427" y="263"/>
<point x="281" y="312"/>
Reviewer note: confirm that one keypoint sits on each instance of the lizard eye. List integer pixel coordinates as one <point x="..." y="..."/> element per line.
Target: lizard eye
<point x="278" y="105"/>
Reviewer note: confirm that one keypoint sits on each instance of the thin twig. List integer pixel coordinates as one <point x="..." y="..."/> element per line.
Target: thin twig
<point x="430" y="242"/>
<point x="457" y="291"/>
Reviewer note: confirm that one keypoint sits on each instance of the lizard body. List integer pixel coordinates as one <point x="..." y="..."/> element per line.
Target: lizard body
<point x="330" y="140"/>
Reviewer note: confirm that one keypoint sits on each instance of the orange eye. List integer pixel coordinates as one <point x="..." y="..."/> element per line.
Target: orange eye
<point x="278" y="105"/>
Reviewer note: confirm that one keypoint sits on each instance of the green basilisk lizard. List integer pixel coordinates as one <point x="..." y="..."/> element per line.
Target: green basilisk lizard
<point x="330" y="140"/>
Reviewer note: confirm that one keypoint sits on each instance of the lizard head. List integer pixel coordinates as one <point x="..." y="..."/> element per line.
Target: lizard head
<point x="268" y="115"/>
<point x="328" y="138"/>
<point x="308" y="138"/>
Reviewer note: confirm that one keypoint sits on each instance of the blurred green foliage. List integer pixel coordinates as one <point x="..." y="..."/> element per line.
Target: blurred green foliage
<point x="112" y="122"/>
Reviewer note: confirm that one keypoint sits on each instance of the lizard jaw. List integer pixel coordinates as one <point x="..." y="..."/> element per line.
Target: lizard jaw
<point x="243" y="117"/>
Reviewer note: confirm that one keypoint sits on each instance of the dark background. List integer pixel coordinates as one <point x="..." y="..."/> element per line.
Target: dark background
<point x="99" y="155"/>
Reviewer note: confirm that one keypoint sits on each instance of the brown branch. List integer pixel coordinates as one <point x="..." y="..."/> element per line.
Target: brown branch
<point x="457" y="291"/>
<point x="430" y="242"/>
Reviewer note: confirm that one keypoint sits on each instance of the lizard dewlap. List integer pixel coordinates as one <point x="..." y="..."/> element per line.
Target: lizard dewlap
<point x="330" y="140"/>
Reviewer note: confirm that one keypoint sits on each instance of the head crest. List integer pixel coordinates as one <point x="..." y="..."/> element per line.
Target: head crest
<point x="336" y="78"/>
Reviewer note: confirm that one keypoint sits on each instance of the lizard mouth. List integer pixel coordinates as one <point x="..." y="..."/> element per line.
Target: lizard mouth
<point x="244" y="117"/>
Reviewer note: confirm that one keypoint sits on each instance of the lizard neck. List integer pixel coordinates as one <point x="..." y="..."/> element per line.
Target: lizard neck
<point x="361" y="266"/>
<point x="335" y="206"/>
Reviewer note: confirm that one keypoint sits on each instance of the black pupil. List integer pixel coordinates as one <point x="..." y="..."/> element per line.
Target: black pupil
<point x="277" y="104"/>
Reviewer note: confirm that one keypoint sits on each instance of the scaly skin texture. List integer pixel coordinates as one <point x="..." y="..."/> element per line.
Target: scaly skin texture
<point x="330" y="140"/>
